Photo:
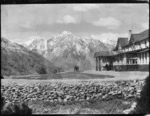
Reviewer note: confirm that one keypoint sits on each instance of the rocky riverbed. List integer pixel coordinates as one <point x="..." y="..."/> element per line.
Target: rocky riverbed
<point x="60" y="92"/>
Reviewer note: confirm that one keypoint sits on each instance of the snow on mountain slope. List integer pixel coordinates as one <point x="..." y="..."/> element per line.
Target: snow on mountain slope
<point x="65" y="50"/>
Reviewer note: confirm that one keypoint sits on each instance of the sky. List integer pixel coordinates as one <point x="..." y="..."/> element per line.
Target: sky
<point x="20" y="23"/>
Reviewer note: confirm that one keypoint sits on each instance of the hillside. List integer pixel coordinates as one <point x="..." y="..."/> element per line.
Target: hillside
<point x="66" y="50"/>
<point x="18" y="60"/>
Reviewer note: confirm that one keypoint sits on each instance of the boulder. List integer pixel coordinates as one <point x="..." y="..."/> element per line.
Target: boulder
<point x="65" y="100"/>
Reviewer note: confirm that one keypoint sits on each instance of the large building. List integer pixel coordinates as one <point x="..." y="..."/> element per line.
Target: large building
<point x="131" y="53"/>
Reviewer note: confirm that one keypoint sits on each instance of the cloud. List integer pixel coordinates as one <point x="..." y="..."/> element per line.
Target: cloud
<point x="145" y="25"/>
<point x="67" y="19"/>
<point x="84" y="7"/>
<point x="109" y="22"/>
<point x="26" y="25"/>
<point x="18" y="20"/>
<point x="109" y="38"/>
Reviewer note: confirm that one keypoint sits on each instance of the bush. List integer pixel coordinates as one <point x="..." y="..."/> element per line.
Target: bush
<point x="143" y="103"/>
<point x="14" y="108"/>
<point x="55" y="71"/>
<point x="2" y="77"/>
<point x="42" y="70"/>
<point x="2" y="102"/>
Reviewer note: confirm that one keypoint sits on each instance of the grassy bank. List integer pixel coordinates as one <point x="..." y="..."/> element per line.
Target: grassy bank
<point x="111" y="106"/>
<point x="68" y="75"/>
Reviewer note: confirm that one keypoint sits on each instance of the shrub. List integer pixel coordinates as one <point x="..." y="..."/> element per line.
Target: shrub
<point x="143" y="103"/>
<point x="55" y="71"/>
<point x="2" y="102"/>
<point x="42" y="70"/>
<point x="2" y="77"/>
<point x="14" y="108"/>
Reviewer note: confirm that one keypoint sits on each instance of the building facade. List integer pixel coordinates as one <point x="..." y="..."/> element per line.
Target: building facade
<point x="130" y="53"/>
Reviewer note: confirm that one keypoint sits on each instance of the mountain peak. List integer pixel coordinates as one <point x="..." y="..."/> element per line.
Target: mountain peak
<point x="66" y="33"/>
<point x="65" y="49"/>
<point x="31" y="39"/>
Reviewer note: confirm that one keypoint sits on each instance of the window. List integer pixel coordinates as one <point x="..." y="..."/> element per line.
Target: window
<point x="132" y="61"/>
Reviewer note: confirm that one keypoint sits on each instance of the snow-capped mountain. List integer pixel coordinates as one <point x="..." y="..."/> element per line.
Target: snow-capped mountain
<point x="66" y="50"/>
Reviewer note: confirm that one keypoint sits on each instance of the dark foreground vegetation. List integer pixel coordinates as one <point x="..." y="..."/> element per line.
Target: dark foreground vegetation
<point x="106" y="106"/>
<point x="10" y="108"/>
<point x="143" y="103"/>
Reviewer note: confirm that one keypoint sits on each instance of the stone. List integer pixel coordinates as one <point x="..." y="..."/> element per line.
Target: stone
<point x="119" y="92"/>
<point x="68" y="97"/>
<point x="138" y="91"/>
<point x="88" y="98"/>
<point x="130" y="95"/>
<point x="81" y="99"/>
<point x="82" y="93"/>
<point x="51" y="100"/>
<point x="103" y="97"/>
<point x="65" y="100"/>
<point x="55" y="100"/>
<point x="59" y="99"/>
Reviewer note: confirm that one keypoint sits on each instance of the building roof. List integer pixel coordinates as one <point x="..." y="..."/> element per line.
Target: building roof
<point x="144" y="50"/>
<point x="104" y="53"/>
<point x="122" y="41"/>
<point x="140" y="36"/>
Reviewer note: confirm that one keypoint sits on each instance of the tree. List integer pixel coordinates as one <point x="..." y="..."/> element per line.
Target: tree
<point x="41" y="70"/>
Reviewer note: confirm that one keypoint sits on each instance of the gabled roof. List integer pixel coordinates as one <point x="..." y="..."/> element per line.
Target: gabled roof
<point x="104" y="53"/>
<point x="140" y="36"/>
<point x="122" y="41"/>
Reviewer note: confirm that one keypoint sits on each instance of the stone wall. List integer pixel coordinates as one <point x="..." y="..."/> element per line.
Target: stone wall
<point x="63" y="92"/>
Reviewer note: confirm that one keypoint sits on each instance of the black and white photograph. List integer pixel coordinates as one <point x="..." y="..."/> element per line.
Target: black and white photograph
<point x="89" y="58"/>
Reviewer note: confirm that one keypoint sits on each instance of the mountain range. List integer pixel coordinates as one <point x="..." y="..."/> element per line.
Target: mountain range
<point x="66" y="50"/>
<point x="18" y="60"/>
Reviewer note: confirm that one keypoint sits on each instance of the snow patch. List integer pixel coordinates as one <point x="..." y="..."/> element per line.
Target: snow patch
<point x="66" y="33"/>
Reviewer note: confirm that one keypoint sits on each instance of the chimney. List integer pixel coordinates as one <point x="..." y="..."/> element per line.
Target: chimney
<point x="130" y="32"/>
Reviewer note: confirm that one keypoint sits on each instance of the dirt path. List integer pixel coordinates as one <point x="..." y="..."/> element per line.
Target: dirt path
<point x="123" y="75"/>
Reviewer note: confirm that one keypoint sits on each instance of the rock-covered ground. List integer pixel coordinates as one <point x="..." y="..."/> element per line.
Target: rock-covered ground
<point x="60" y="92"/>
